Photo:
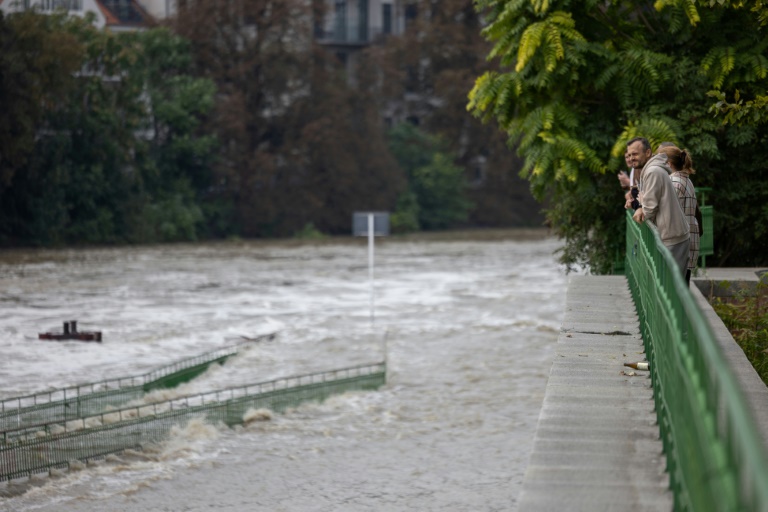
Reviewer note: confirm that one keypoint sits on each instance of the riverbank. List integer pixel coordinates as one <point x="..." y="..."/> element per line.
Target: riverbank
<point x="476" y="234"/>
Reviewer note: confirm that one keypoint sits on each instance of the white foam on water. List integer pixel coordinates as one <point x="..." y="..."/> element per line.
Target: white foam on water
<point x="469" y="329"/>
<point x="252" y="415"/>
<point x="189" y="439"/>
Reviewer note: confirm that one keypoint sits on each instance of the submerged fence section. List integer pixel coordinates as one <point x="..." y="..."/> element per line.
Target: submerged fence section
<point x="83" y="400"/>
<point x="27" y="451"/>
<point x="715" y="457"/>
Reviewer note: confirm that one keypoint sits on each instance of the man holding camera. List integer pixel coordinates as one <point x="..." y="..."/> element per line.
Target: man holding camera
<point x="629" y="185"/>
<point x="658" y="200"/>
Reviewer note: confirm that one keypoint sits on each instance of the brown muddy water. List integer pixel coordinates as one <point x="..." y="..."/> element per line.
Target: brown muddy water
<point x="467" y="324"/>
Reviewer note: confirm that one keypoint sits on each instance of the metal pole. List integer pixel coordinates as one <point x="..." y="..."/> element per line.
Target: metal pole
<point x="370" y="259"/>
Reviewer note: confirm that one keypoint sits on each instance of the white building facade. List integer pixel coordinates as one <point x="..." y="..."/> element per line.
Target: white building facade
<point x="113" y="14"/>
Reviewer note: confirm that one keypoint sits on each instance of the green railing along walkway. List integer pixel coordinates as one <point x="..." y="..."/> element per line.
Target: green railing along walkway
<point x="83" y="400"/>
<point x="716" y="459"/>
<point x="24" y="452"/>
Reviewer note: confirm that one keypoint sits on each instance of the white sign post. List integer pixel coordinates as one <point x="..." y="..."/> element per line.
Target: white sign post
<point x="370" y="224"/>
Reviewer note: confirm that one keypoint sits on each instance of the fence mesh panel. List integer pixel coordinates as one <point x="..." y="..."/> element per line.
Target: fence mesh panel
<point x="83" y="400"/>
<point x="29" y="450"/>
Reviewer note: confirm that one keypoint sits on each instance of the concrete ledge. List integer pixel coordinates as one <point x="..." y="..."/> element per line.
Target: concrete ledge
<point x="597" y="443"/>
<point x="605" y="498"/>
<point x="729" y="282"/>
<point x="751" y="384"/>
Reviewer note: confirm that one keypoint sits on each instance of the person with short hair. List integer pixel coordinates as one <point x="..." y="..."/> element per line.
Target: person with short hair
<point x="658" y="200"/>
<point x="629" y="185"/>
<point x="637" y="154"/>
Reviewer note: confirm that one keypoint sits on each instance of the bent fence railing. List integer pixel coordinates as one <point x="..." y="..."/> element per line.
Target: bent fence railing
<point x="715" y="457"/>
<point x="27" y="451"/>
<point x="82" y="400"/>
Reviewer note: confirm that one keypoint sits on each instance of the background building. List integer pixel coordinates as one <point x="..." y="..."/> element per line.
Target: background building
<point x="112" y="14"/>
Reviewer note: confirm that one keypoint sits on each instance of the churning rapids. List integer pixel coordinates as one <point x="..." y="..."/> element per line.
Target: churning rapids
<point x="467" y="324"/>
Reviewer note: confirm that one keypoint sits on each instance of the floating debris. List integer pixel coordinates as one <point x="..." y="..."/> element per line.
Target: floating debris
<point x="70" y="332"/>
<point x="264" y="337"/>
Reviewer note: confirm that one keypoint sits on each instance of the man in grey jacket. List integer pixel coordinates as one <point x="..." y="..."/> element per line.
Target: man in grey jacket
<point x="660" y="205"/>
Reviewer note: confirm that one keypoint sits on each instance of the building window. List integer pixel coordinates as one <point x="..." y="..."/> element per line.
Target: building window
<point x="124" y="10"/>
<point x="67" y="5"/>
<point x="479" y="167"/>
<point x="386" y="16"/>
<point x="411" y="13"/>
<point x="362" y="20"/>
<point x="340" y="21"/>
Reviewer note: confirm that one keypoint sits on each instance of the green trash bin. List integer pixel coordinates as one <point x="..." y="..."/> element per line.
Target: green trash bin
<point x="707" y="242"/>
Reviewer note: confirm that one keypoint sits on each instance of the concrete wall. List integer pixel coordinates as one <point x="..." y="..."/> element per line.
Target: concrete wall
<point x="755" y="390"/>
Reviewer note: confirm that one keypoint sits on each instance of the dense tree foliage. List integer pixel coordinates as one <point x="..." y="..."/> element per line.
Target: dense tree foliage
<point x="69" y="184"/>
<point x="741" y="109"/>
<point x="177" y="156"/>
<point x="107" y="151"/>
<point x="576" y="80"/>
<point x="436" y="197"/>
<point x="299" y="145"/>
<point x="234" y="120"/>
<point x="427" y="73"/>
<point x="37" y="62"/>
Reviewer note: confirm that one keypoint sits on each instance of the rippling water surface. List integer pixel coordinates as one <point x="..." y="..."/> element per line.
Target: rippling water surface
<point x="467" y="326"/>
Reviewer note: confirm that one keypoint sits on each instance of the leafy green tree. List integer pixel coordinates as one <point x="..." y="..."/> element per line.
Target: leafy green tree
<point x="243" y="47"/>
<point x="437" y="184"/>
<point x="750" y="103"/>
<point x="405" y="218"/>
<point x="344" y="151"/>
<point x="72" y="183"/>
<point x="178" y="155"/>
<point x="441" y="189"/>
<point x="83" y="164"/>
<point x="37" y="61"/>
<point x="178" y="104"/>
<point x="577" y="80"/>
<point x="298" y="144"/>
<point x="412" y="147"/>
<point x="426" y="73"/>
<point x="741" y="112"/>
<point x="115" y="154"/>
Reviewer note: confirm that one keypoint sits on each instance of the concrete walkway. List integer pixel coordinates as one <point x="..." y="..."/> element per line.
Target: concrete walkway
<point x="597" y="445"/>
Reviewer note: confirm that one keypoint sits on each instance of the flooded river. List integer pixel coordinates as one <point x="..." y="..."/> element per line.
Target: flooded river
<point x="466" y="324"/>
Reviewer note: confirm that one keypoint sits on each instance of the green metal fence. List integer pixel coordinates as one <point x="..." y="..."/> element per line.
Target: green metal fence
<point x="715" y="457"/>
<point x="83" y="400"/>
<point x="27" y="451"/>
